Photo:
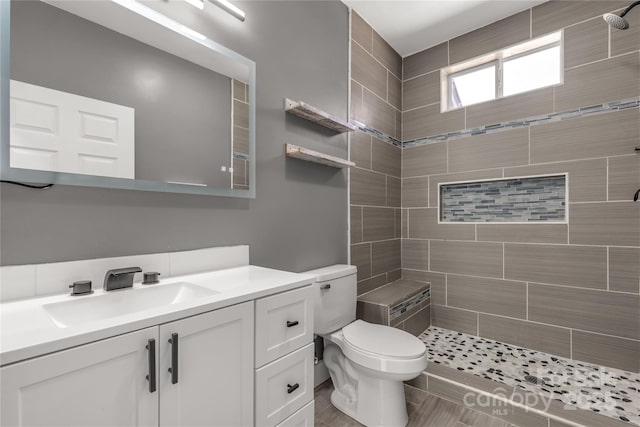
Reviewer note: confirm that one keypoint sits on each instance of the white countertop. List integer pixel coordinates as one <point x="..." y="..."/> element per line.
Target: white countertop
<point x="27" y="331"/>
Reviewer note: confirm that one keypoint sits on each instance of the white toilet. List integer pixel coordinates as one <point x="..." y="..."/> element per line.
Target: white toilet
<point x="367" y="362"/>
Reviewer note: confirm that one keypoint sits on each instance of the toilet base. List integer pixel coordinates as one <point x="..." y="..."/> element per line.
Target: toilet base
<point x="380" y="403"/>
<point x="371" y="398"/>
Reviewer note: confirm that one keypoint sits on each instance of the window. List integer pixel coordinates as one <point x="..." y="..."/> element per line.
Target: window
<point x="527" y="66"/>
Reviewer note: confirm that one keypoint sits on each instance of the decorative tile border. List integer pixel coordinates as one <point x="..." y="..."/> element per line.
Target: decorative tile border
<point x="500" y="127"/>
<point x="377" y="134"/>
<point x="399" y="309"/>
<point x="240" y="156"/>
<point x="505" y="200"/>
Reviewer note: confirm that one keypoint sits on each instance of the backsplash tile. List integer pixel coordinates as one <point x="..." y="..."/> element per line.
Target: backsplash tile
<point x="24" y="281"/>
<point x="187" y="262"/>
<point x="17" y="281"/>
<point x="505" y="200"/>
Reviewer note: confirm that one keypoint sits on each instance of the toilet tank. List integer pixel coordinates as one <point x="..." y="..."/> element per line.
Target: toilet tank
<point x="335" y="296"/>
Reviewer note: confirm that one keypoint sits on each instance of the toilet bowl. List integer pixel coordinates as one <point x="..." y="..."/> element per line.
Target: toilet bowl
<point x="367" y="362"/>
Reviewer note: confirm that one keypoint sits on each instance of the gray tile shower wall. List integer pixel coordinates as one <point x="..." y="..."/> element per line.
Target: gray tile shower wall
<point x="569" y="289"/>
<point x="376" y="181"/>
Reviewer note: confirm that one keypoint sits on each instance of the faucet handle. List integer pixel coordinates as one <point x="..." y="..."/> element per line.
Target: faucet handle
<point x="81" y="287"/>
<point x="150" y="278"/>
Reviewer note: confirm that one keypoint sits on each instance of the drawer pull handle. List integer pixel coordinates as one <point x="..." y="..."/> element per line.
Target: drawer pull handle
<point x="292" y="388"/>
<point x="325" y="287"/>
<point x="291" y="324"/>
<point x="174" y="358"/>
<point x="151" y="347"/>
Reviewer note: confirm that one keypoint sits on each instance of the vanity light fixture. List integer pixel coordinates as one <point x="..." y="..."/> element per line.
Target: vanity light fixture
<point x="196" y="3"/>
<point x="229" y="8"/>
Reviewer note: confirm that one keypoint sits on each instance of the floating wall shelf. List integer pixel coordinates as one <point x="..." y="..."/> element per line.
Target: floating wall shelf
<point x="318" y="116"/>
<point x="301" y="153"/>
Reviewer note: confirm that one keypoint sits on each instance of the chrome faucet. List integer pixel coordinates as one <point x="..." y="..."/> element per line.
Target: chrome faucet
<point x="120" y="278"/>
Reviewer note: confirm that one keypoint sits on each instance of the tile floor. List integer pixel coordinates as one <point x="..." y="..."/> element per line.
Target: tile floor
<point x="608" y="391"/>
<point x="425" y="410"/>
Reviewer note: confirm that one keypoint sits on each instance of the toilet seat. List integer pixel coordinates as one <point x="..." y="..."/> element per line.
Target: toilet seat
<point x="380" y="348"/>
<point x="381" y="340"/>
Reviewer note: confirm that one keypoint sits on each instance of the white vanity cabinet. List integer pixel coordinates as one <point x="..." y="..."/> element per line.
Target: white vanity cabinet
<point x="284" y="359"/>
<point x="102" y="383"/>
<point x="108" y="383"/>
<point x="213" y="382"/>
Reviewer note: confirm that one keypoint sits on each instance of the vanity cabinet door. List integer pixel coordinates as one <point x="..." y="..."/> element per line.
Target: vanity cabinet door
<point x="211" y="361"/>
<point x="99" y="384"/>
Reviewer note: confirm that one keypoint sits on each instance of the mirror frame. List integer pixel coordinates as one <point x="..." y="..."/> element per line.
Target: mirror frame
<point x="62" y="178"/>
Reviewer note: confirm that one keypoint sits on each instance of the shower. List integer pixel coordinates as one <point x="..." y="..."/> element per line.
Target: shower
<point x="618" y="21"/>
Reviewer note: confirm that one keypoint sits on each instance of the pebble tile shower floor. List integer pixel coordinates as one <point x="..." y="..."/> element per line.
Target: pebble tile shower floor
<point x="608" y="391"/>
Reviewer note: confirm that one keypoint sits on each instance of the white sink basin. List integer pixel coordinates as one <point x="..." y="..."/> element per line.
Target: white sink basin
<point x="122" y="302"/>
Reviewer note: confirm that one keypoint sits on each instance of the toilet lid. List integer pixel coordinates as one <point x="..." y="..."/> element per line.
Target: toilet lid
<point x="383" y="340"/>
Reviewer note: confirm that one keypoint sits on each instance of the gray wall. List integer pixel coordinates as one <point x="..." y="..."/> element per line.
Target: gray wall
<point x="182" y="110"/>
<point x="298" y="220"/>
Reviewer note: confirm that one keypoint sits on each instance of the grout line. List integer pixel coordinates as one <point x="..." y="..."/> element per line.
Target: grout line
<point x="571" y="344"/>
<point x="420" y="75"/>
<point x="529" y="144"/>
<point x="446" y="289"/>
<point x="606" y="180"/>
<point x="602" y="60"/>
<point x="420" y="107"/>
<point x="608" y="255"/>
<point x="447" y="153"/>
<point x="527" y="301"/>
<point x="374" y="94"/>
<point x="514" y="173"/>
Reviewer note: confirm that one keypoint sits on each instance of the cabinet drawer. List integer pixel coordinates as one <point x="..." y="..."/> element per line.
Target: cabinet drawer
<point x="302" y="418"/>
<point x="284" y="323"/>
<point x="284" y="386"/>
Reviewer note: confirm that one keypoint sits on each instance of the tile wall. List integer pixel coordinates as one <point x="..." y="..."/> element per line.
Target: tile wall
<point x="375" y="180"/>
<point x="576" y="285"/>
<point x="568" y="289"/>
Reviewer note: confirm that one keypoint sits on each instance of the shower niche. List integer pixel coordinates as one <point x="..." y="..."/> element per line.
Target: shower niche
<point x="518" y="200"/>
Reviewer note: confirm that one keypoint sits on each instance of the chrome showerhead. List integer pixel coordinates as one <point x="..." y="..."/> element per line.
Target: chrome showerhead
<point x="615" y="21"/>
<point x="618" y="21"/>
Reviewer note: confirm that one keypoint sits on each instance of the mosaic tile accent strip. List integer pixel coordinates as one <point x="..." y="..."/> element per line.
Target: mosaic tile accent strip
<point x="500" y="127"/>
<point x="530" y="121"/>
<point x="240" y="156"/>
<point x="608" y="391"/>
<point x="377" y="134"/>
<point x="537" y="199"/>
<point x="399" y="309"/>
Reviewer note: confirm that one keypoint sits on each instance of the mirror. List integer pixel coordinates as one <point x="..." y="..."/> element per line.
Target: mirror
<point x="115" y="94"/>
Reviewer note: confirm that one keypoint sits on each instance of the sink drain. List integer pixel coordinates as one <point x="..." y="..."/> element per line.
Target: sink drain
<point x="533" y="380"/>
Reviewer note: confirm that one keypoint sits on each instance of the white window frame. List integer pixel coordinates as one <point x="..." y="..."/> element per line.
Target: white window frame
<point x="498" y="58"/>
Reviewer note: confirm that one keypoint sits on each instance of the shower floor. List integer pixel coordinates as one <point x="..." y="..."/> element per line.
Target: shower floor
<point x="608" y="391"/>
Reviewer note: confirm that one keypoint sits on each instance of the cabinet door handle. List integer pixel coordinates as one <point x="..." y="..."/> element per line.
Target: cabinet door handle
<point x="151" y="347"/>
<point x="174" y="358"/>
<point x="290" y="324"/>
<point x="292" y="388"/>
